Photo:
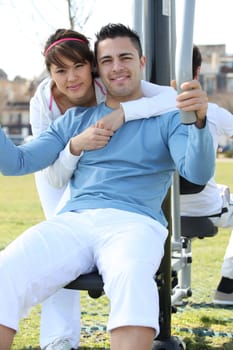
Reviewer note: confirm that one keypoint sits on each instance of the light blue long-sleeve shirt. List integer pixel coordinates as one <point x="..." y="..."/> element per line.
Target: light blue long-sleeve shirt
<point x="133" y="172"/>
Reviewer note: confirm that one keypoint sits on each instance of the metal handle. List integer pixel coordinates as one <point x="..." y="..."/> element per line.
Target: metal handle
<point x="184" y="54"/>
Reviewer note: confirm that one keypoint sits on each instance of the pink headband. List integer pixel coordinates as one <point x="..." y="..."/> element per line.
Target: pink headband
<point x="61" y="41"/>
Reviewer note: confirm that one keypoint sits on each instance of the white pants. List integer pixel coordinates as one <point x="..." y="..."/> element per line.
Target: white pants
<point x="227" y="266"/>
<point x="60" y="313"/>
<point x="226" y="219"/>
<point x="127" y="249"/>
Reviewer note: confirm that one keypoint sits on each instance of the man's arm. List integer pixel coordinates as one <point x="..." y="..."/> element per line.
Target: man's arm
<point x="199" y="163"/>
<point x="30" y="157"/>
<point x="193" y="155"/>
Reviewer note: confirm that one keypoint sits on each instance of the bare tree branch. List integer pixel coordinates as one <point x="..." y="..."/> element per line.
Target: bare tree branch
<point x="33" y="23"/>
<point x="79" y="12"/>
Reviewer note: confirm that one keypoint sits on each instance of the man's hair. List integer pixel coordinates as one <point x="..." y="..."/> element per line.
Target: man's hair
<point x="112" y="31"/>
<point x="197" y="59"/>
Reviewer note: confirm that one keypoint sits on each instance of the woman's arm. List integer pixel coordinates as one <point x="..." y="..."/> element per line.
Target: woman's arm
<point x="157" y="100"/>
<point x="59" y="173"/>
<point x="40" y="114"/>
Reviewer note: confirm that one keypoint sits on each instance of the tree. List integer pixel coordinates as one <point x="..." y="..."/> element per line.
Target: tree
<point x="29" y="23"/>
<point x="79" y="12"/>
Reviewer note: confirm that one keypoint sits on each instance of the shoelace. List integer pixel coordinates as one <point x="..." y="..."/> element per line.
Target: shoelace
<point x="59" y="344"/>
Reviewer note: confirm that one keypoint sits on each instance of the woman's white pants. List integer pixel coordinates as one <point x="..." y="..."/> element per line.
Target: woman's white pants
<point x="60" y="318"/>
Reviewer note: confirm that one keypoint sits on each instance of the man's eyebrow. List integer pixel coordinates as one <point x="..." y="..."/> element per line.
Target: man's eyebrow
<point x="126" y="54"/>
<point x="104" y="57"/>
<point x="120" y="55"/>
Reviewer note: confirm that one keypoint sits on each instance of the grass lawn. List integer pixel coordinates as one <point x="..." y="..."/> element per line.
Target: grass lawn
<point x="200" y="323"/>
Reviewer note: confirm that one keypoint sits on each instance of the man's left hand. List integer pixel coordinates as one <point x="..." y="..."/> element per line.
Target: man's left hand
<point x="193" y="98"/>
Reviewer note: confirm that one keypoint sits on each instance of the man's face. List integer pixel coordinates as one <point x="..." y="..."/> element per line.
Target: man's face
<point x="120" y="69"/>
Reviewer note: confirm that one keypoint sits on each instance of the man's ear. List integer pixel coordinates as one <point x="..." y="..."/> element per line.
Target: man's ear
<point x="143" y="61"/>
<point x="198" y="72"/>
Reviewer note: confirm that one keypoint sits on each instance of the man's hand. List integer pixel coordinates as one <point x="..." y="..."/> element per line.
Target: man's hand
<point x="90" y="139"/>
<point x="193" y="98"/>
<point x="112" y="121"/>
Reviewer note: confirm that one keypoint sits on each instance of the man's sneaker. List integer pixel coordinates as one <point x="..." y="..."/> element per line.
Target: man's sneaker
<point x="223" y="298"/>
<point x="59" y="344"/>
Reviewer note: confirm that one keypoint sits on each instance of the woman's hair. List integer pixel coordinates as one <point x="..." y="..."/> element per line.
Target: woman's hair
<point x="69" y="44"/>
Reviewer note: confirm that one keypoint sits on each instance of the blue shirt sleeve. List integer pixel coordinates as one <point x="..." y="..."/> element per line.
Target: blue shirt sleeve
<point x="197" y="162"/>
<point x="38" y="153"/>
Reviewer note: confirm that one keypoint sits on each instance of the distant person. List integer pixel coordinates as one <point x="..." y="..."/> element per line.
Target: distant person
<point x="72" y="81"/>
<point x="114" y="219"/>
<point x="215" y="200"/>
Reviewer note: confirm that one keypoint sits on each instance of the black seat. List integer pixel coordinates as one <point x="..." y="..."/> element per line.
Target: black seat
<point x="197" y="227"/>
<point x="92" y="282"/>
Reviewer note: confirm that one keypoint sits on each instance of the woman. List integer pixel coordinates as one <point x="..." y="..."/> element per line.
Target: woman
<point x="72" y="82"/>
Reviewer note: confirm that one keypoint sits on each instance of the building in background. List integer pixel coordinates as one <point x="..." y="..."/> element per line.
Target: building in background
<point x="14" y="107"/>
<point x="217" y="69"/>
<point x="217" y="80"/>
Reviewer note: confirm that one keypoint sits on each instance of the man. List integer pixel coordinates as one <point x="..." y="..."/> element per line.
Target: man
<point x="114" y="219"/>
<point x="215" y="200"/>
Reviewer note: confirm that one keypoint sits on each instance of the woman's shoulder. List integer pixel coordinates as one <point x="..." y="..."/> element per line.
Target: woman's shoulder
<point x="44" y="86"/>
<point x="100" y="90"/>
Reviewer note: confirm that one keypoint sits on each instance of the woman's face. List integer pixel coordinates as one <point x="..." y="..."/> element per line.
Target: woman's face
<point x="74" y="80"/>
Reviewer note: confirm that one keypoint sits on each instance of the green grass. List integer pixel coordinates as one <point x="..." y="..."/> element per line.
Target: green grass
<point x="19" y="207"/>
<point x="201" y="324"/>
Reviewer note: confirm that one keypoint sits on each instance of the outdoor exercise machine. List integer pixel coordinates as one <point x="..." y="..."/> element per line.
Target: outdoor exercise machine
<point x="155" y="22"/>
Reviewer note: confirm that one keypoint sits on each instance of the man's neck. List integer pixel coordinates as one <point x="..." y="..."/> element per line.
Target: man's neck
<point x="115" y="101"/>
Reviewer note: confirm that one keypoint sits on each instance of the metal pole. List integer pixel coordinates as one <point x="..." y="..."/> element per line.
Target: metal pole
<point x="154" y="28"/>
<point x="158" y="23"/>
<point x="184" y="53"/>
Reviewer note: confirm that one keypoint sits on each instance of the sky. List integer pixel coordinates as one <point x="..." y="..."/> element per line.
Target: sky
<point x="25" y="26"/>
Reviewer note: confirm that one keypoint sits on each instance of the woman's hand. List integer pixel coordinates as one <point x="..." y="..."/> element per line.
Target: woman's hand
<point x="97" y="136"/>
<point x="112" y="121"/>
<point x="90" y="139"/>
